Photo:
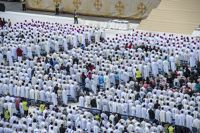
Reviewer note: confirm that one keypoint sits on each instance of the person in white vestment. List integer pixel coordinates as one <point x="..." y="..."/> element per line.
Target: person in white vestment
<point x="65" y="96"/>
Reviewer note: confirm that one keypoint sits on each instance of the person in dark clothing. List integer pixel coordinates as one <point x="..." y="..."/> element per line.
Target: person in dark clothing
<point x="151" y="115"/>
<point x="117" y="118"/>
<point x="93" y="103"/>
<point x="23" y="5"/>
<point x="156" y="105"/>
<point x="19" y="52"/>
<point x="170" y="80"/>
<point x="75" y="60"/>
<point x="57" y="8"/>
<point x="51" y="62"/>
<point x="75" y="17"/>
<point x="117" y="48"/>
<point x="180" y="106"/>
<point x="137" y="96"/>
<point x="3" y="22"/>
<point x="46" y="72"/>
<point x="62" y="129"/>
<point x="137" y="87"/>
<point x="198" y="67"/>
<point x="83" y="77"/>
<point x="181" y="82"/>
<point x="68" y="70"/>
<point x="56" y="88"/>
<point x="89" y="66"/>
<point x="186" y="72"/>
<point x="62" y="67"/>
<point x="32" y="72"/>
<point x="46" y="60"/>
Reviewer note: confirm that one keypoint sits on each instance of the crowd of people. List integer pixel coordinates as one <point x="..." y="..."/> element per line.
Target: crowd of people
<point x="139" y="82"/>
<point x="4" y="23"/>
<point x="154" y="105"/>
<point x="58" y="119"/>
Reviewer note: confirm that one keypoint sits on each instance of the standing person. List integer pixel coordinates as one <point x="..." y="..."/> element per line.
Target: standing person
<point x="196" y="125"/>
<point x="151" y="115"/>
<point x="25" y="107"/>
<point x="1" y="58"/>
<point x="61" y="7"/>
<point x="9" y="23"/>
<point x="56" y="88"/>
<point x="83" y="77"/>
<point x="9" y="58"/>
<point x="6" y="115"/>
<point x="101" y="81"/>
<point x="4" y="22"/>
<point x="23" y="5"/>
<point x="57" y="8"/>
<point x="170" y="129"/>
<point x="75" y="17"/>
<point x="19" y="54"/>
<point x="62" y="129"/>
<point x="1" y="22"/>
<point x="138" y="75"/>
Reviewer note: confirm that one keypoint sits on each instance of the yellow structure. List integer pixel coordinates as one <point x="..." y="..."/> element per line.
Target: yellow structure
<point x="131" y="9"/>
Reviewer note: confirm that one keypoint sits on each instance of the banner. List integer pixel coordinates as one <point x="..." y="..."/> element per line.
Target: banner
<point x="131" y="9"/>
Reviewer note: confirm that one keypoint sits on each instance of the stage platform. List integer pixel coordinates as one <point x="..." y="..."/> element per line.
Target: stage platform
<point x="21" y="16"/>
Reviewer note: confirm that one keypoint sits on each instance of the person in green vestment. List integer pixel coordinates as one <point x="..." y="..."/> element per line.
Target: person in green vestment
<point x="171" y="129"/>
<point x="197" y="87"/>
